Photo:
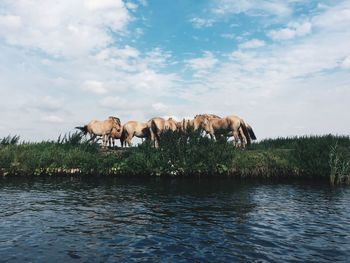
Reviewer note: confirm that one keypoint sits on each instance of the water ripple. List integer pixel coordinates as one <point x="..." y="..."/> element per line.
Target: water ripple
<point x="110" y="220"/>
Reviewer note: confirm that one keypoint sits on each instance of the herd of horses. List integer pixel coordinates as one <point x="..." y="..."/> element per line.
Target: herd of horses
<point x="111" y="129"/>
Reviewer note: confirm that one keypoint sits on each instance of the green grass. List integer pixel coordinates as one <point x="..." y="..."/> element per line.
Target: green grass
<point x="320" y="157"/>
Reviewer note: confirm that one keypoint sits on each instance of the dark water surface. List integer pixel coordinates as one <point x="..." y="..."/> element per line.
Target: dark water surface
<point x="108" y="220"/>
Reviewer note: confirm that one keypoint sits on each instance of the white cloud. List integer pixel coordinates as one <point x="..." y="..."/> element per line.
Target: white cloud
<point x="50" y="103"/>
<point x="228" y="36"/>
<point x="63" y="28"/>
<point x="10" y="22"/>
<point x="334" y="18"/>
<point x="131" y="6"/>
<point x="207" y="61"/>
<point x="114" y="102"/>
<point x="102" y="4"/>
<point x="293" y="30"/>
<point x="160" y="107"/>
<point x="198" y="22"/>
<point x="52" y="119"/>
<point x="149" y="80"/>
<point x="94" y="86"/>
<point x="346" y="63"/>
<point x="253" y="7"/>
<point x="254" y="43"/>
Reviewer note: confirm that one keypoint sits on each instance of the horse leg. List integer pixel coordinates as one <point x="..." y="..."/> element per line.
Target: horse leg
<point x="92" y="137"/>
<point x="128" y="140"/>
<point x="236" y="136"/>
<point x="152" y="136"/>
<point x="212" y="136"/>
<point x="156" y="142"/>
<point x="242" y="138"/>
<point x="105" y="140"/>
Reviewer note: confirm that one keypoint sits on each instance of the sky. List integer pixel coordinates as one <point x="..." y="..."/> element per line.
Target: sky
<point x="281" y="65"/>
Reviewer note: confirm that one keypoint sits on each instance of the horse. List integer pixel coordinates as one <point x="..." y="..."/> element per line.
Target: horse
<point x="157" y="126"/>
<point x="101" y="128"/>
<point x="134" y="128"/>
<point x="198" y="120"/>
<point x="229" y="126"/>
<point x="115" y="134"/>
<point x="183" y="125"/>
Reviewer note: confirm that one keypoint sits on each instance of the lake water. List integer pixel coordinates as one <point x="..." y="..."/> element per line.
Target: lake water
<point x="134" y="220"/>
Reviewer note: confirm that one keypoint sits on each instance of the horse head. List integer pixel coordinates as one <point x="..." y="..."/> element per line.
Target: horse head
<point x="207" y="125"/>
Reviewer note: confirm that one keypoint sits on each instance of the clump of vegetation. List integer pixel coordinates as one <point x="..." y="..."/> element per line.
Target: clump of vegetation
<point x="9" y="140"/>
<point x="182" y="154"/>
<point x="339" y="165"/>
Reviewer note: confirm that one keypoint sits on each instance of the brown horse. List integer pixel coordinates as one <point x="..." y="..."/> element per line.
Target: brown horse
<point x="229" y="126"/>
<point x="183" y="125"/>
<point x="198" y="120"/>
<point x="134" y="128"/>
<point x="115" y="135"/>
<point x="101" y="128"/>
<point x="157" y="126"/>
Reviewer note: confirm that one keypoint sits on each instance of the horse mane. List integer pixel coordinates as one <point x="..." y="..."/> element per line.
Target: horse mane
<point x="117" y="120"/>
<point x="206" y="115"/>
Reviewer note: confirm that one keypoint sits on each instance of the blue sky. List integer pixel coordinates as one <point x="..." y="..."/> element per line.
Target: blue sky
<point x="283" y="66"/>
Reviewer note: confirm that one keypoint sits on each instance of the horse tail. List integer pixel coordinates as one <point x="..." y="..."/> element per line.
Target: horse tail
<point x="152" y="127"/>
<point x="251" y="132"/>
<point x="245" y="132"/>
<point x="83" y="129"/>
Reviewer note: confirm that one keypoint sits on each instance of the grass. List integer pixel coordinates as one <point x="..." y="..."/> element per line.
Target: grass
<point x="317" y="157"/>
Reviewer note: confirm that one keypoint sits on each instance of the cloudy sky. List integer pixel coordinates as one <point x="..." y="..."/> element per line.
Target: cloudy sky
<point x="282" y="65"/>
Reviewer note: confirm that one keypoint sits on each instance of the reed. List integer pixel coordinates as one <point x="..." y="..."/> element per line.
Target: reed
<point x="339" y="165"/>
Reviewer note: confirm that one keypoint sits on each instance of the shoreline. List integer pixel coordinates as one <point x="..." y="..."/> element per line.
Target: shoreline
<point x="323" y="158"/>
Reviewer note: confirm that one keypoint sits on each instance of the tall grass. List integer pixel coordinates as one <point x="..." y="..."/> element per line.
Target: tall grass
<point x="9" y="140"/>
<point x="183" y="155"/>
<point x="339" y="165"/>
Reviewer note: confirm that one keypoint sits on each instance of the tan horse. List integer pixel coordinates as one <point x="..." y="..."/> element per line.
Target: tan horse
<point x="157" y="126"/>
<point x="199" y="119"/>
<point x="101" y="128"/>
<point x="182" y="126"/>
<point x="115" y="135"/>
<point x="134" y="128"/>
<point x="229" y="126"/>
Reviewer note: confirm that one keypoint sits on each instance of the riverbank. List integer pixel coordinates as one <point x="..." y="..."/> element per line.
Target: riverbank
<point x="315" y="157"/>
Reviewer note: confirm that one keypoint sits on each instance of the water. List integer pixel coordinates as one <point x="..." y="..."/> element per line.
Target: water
<point x="108" y="220"/>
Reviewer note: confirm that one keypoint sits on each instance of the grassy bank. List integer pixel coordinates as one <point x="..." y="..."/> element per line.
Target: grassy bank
<point x="322" y="157"/>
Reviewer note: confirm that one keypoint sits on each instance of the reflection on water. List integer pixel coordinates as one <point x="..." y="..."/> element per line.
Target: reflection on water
<point x="108" y="220"/>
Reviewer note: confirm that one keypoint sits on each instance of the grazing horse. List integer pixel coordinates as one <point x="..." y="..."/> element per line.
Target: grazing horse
<point x="157" y="126"/>
<point x="101" y="128"/>
<point x="183" y="125"/>
<point x="134" y="128"/>
<point x="199" y="119"/>
<point x="115" y="134"/>
<point x="229" y="126"/>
